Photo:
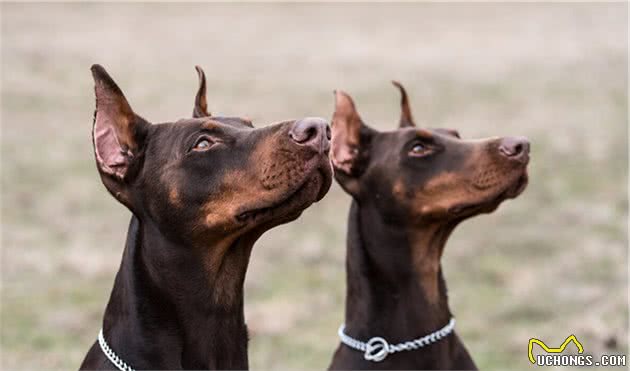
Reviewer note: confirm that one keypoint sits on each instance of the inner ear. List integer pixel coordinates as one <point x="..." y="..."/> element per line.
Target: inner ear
<point x="346" y="127"/>
<point x="201" y="105"/>
<point x="117" y="131"/>
<point x="350" y="137"/>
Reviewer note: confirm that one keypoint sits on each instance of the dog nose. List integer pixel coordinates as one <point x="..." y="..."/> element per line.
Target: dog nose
<point x="312" y="132"/>
<point x="516" y="148"/>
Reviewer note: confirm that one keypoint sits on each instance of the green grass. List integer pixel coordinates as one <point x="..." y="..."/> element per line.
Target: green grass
<point x="550" y="263"/>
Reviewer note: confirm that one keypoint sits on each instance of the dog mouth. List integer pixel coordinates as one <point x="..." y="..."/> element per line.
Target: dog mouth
<point x="518" y="187"/>
<point x="292" y="198"/>
<point x="313" y="188"/>
<point x="513" y="190"/>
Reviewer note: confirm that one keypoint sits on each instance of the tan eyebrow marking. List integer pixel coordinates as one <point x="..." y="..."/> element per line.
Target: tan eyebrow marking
<point x="210" y="124"/>
<point x="422" y="133"/>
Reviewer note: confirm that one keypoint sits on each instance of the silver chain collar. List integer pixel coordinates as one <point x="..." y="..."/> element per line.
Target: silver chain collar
<point x="377" y="349"/>
<point x="111" y="355"/>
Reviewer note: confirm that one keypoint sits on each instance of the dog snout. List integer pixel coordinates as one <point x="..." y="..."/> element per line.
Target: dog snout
<point x="311" y="132"/>
<point x="515" y="148"/>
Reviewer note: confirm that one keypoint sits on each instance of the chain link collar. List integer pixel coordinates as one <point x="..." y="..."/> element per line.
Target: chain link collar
<point x="377" y="349"/>
<point x="111" y="355"/>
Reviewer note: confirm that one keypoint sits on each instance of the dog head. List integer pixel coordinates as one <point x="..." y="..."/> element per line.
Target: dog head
<point x="415" y="175"/>
<point x="207" y="177"/>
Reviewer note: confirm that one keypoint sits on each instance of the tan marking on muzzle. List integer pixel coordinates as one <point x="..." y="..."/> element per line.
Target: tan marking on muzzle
<point x="236" y="189"/>
<point x="270" y="172"/>
<point x="442" y="192"/>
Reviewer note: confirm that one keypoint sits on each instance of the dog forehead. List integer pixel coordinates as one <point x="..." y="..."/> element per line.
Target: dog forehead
<point x="214" y="122"/>
<point x="392" y="140"/>
<point x="237" y="122"/>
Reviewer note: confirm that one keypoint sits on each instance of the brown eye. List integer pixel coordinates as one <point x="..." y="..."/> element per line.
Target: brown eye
<point x="419" y="149"/>
<point x="202" y="144"/>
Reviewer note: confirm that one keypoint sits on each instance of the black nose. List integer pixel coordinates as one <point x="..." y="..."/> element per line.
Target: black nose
<point x="312" y="132"/>
<point x="516" y="148"/>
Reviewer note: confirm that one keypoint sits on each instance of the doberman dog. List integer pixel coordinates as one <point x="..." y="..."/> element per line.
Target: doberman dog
<point x="201" y="192"/>
<point x="410" y="188"/>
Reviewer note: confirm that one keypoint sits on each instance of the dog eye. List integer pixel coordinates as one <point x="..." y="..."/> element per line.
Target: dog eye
<point x="419" y="149"/>
<point x="203" y="144"/>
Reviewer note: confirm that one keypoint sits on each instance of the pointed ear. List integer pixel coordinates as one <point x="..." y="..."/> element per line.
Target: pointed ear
<point x="346" y="134"/>
<point x="201" y="105"/>
<point x="350" y="142"/>
<point x="118" y="133"/>
<point x="406" y="119"/>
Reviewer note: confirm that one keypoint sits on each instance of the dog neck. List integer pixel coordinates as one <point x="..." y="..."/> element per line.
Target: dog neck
<point x="178" y="306"/>
<point x="395" y="287"/>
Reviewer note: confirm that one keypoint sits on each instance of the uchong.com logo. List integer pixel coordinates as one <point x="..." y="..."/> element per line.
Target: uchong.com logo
<point x="554" y="356"/>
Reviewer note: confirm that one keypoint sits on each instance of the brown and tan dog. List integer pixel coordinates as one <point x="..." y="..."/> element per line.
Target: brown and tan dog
<point x="201" y="191"/>
<point x="410" y="187"/>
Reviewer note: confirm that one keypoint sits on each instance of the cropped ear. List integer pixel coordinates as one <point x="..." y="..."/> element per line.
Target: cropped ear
<point x="201" y="105"/>
<point x="350" y="142"/>
<point x="406" y="119"/>
<point x="118" y="134"/>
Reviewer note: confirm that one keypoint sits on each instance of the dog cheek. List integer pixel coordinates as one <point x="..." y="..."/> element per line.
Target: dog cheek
<point x="441" y="193"/>
<point x="221" y="202"/>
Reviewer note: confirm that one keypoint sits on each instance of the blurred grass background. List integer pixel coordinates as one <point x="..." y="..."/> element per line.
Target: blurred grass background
<point x="549" y="264"/>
